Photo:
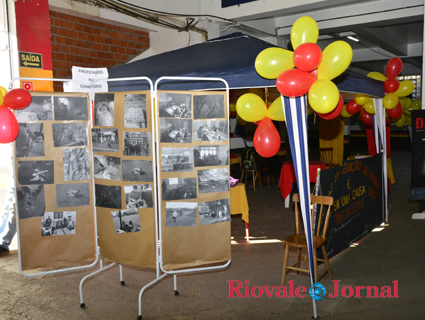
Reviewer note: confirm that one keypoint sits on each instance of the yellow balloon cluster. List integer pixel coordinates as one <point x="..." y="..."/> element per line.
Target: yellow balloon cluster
<point x="314" y="69"/>
<point x="251" y="108"/>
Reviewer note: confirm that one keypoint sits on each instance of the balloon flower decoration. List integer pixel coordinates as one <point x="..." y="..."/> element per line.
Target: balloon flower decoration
<point x="397" y="106"/>
<point x="14" y="99"/>
<point x="306" y="70"/>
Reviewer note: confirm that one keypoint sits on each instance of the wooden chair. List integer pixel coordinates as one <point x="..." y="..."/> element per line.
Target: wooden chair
<point x="265" y="170"/>
<point x="326" y="156"/>
<point x="255" y="175"/>
<point x="298" y="240"/>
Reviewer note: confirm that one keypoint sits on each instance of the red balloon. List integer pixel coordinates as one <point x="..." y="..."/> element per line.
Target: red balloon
<point x="294" y="82"/>
<point x="17" y="99"/>
<point x="365" y="116"/>
<point x="395" y="112"/>
<point x="9" y="127"/>
<point x="335" y="112"/>
<point x="393" y="67"/>
<point x="307" y="56"/>
<point x="352" y="107"/>
<point x="266" y="138"/>
<point x="391" y="85"/>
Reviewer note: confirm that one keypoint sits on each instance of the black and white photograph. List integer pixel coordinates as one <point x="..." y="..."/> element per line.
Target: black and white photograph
<point x="106" y="167"/>
<point x="58" y="223"/>
<point x="108" y="196"/>
<point x="137" y="144"/>
<point x="137" y="170"/>
<point x="30" y="201"/>
<point x="175" y="105"/>
<point x="30" y="140"/>
<point x="69" y="134"/>
<point x="178" y="188"/>
<point x="180" y="214"/>
<point x="126" y="221"/>
<point x="35" y="172"/>
<point x="40" y="108"/>
<point x="71" y="108"/>
<point x="210" y="130"/>
<point x="105" y="140"/>
<point x="206" y="156"/>
<point x="176" y="159"/>
<point x="104" y="109"/>
<point x="213" y="180"/>
<point x="214" y="211"/>
<point x="76" y="164"/>
<point x="208" y="106"/>
<point x="72" y="195"/>
<point x="135" y="111"/>
<point x="175" y="131"/>
<point x="138" y="196"/>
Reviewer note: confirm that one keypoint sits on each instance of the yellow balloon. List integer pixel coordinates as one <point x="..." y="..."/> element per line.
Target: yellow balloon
<point x="417" y="104"/>
<point x="361" y="98"/>
<point x="405" y="102"/>
<point x="232" y="107"/>
<point x="377" y="76"/>
<point x="275" y="112"/>
<point x="335" y="60"/>
<point x="344" y="112"/>
<point x="251" y="107"/>
<point x="399" y="122"/>
<point x="271" y="62"/>
<point x="409" y="120"/>
<point x="241" y="121"/>
<point x="369" y="107"/>
<point x="406" y="87"/>
<point x="323" y="96"/>
<point x="390" y="101"/>
<point x="1" y="98"/>
<point x="305" y="29"/>
<point x="3" y="91"/>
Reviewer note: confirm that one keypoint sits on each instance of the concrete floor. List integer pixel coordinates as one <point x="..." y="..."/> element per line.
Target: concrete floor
<point x="396" y="253"/>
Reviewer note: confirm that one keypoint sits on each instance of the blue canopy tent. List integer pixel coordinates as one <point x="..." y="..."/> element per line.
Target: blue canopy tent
<point x="232" y="58"/>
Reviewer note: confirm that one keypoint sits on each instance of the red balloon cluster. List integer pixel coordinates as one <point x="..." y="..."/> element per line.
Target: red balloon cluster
<point x="297" y="82"/>
<point x="9" y="127"/>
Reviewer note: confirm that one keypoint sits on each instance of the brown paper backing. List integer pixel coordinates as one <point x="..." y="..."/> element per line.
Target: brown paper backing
<point x="185" y="247"/>
<point x="134" y="248"/>
<point x="59" y="250"/>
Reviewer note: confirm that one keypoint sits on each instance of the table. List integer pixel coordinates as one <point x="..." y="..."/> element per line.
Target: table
<point x="239" y="204"/>
<point x="287" y="177"/>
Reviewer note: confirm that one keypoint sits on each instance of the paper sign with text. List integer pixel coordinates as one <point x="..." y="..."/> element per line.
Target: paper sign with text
<point x="89" y="79"/>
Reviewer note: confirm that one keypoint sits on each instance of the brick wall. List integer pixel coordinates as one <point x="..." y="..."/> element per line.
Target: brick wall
<point x="91" y="44"/>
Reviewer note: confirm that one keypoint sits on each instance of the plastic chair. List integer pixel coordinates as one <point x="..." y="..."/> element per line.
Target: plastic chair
<point x="255" y="174"/>
<point x="298" y="239"/>
<point x="326" y="156"/>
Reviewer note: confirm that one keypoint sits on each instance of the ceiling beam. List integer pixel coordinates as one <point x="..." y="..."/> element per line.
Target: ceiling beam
<point x="383" y="38"/>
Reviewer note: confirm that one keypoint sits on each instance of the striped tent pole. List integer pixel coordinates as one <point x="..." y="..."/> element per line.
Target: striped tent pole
<point x="296" y="124"/>
<point x="381" y="143"/>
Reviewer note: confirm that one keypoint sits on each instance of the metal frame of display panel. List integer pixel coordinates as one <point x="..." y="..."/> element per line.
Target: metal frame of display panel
<point x="158" y="221"/>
